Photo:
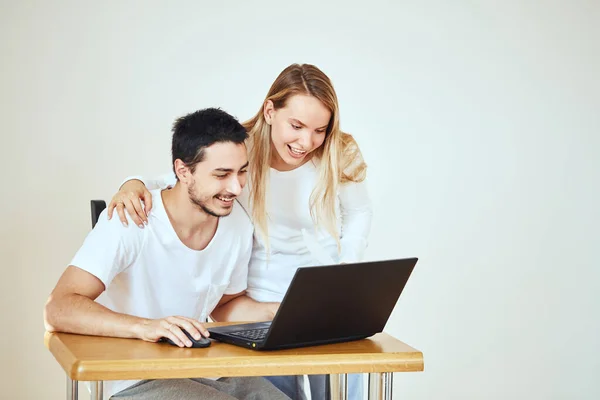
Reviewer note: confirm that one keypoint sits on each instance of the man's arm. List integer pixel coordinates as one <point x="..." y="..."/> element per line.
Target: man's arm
<point x="72" y="308"/>
<point x="240" y="307"/>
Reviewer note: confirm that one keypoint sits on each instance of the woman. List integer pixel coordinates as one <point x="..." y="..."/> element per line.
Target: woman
<point x="306" y="194"/>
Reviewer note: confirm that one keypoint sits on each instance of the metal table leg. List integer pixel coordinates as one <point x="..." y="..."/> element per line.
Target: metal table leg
<point x="380" y="386"/>
<point x="338" y="384"/>
<point x="72" y="389"/>
<point x="97" y="390"/>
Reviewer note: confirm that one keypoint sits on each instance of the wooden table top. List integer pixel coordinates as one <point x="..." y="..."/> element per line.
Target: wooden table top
<point x="93" y="358"/>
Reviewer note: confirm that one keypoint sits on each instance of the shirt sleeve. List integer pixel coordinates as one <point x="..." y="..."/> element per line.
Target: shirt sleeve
<point x="109" y="249"/>
<point x="356" y="213"/>
<point x="161" y="182"/>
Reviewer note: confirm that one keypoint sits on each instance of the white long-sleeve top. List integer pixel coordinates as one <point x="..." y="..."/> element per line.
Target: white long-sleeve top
<point x="293" y="239"/>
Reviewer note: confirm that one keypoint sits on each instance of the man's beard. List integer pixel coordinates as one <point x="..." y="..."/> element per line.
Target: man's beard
<point x="201" y="204"/>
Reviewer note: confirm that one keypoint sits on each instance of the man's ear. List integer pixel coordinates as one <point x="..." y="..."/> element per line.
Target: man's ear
<point x="182" y="171"/>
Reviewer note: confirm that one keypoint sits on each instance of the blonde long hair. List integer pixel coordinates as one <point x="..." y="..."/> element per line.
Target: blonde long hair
<point x="341" y="159"/>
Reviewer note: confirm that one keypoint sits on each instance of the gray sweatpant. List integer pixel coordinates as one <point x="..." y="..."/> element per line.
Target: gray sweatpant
<point x="243" y="388"/>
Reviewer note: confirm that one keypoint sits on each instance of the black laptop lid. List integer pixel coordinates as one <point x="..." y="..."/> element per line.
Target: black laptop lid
<point x="339" y="301"/>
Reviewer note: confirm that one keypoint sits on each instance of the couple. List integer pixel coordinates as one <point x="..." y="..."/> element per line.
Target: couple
<point x="305" y="189"/>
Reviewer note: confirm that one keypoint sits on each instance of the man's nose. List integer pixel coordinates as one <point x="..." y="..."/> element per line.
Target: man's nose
<point x="235" y="186"/>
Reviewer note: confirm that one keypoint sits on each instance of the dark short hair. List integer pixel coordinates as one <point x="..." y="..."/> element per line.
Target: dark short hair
<point x="195" y="132"/>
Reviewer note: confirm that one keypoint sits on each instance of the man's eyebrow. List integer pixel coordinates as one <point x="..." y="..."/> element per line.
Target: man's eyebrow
<point x="230" y="169"/>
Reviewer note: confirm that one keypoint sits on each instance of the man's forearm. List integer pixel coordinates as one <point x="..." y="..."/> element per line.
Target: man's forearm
<point x="75" y="313"/>
<point x="243" y="308"/>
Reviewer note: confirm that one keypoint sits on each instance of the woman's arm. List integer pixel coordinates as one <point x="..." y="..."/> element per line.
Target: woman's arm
<point x="132" y="193"/>
<point x="240" y="307"/>
<point x="160" y="182"/>
<point x="356" y="213"/>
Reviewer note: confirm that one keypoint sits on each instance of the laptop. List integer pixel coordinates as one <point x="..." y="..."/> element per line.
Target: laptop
<point x="327" y="304"/>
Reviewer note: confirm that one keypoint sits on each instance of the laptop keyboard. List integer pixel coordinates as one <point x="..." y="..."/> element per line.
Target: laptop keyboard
<point x="252" y="334"/>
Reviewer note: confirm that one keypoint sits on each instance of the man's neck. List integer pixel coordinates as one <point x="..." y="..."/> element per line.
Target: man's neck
<point x="194" y="227"/>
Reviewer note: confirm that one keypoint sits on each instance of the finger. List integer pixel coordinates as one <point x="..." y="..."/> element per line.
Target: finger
<point x="170" y="324"/>
<point x="139" y="211"/>
<point x="121" y="212"/>
<point x="170" y="335"/>
<point x="176" y="330"/>
<point x="147" y="202"/>
<point x="133" y="214"/>
<point x="198" y="326"/>
<point x="110" y="208"/>
<point x="188" y="325"/>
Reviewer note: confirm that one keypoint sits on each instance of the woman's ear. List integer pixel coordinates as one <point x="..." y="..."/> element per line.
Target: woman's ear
<point x="268" y="111"/>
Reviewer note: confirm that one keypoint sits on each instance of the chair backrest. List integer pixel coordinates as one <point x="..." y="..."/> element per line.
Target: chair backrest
<point x="97" y="207"/>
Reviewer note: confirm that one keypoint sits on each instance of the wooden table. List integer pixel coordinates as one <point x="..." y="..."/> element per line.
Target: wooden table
<point x="96" y="359"/>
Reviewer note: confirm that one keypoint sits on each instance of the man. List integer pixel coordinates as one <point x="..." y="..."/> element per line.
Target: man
<point x="190" y="261"/>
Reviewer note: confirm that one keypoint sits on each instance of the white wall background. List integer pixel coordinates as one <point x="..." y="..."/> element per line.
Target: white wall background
<point x="479" y="120"/>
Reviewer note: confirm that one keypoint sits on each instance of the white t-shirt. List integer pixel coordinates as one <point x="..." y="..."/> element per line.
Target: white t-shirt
<point x="293" y="240"/>
<point x="150" y="273"/>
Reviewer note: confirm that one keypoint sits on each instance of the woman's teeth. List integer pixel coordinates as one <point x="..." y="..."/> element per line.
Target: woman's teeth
<point x="297" y="151"/>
